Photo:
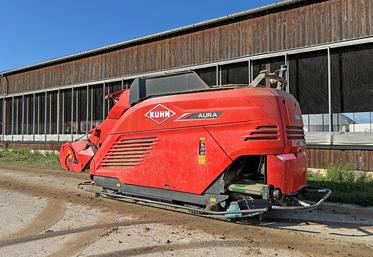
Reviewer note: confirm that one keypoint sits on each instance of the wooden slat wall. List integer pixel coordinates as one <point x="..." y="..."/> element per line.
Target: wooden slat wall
<point x="311" y="24"/>
<point x="323" y="158"/>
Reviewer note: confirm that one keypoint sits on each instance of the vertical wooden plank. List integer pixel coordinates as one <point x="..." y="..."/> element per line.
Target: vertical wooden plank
<point x="321" y="24"/>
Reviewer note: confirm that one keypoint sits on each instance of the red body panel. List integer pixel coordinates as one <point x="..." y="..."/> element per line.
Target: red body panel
<point x="171" y="163"/>
<point x="288" y="175"/>
<point x="157" y="142"/>
<point x="76" y="156"/>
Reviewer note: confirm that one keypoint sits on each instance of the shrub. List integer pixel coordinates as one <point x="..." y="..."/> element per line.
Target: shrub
<point x="348" y="185"/>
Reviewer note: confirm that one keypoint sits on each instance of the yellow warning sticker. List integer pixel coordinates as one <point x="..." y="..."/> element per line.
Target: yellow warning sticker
<point x="212" y="200"/>
<point x="202" y="151"/>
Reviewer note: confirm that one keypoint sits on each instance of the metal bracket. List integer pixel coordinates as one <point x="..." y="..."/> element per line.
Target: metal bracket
<point x="277" y="78"/>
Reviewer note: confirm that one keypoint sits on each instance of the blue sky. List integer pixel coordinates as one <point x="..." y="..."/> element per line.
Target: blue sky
<point x="38" y="30"/>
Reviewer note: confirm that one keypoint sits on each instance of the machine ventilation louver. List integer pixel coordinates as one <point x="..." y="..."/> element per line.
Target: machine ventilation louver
<point x="267" y="132"/>
<point x="294" y="132"/>
<point x="127" y="153"/>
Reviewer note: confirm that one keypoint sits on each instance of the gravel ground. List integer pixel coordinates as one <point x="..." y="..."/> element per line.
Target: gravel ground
<point x="42" y="213"/>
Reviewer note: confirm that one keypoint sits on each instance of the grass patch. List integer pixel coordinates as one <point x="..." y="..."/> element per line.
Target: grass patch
<point x="348" y="186"/>
<point x="29" y="157"/>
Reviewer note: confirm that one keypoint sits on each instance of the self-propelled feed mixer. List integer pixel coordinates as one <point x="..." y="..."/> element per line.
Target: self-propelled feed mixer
<point x="233" y="150"/>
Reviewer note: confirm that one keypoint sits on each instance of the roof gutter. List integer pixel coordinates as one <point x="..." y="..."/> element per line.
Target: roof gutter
<point x="156" y="35"/>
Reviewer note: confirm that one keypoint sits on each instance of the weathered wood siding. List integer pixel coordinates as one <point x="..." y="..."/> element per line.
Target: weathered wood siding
<point x="299" y="25"/>
<point x="323" y="158"/>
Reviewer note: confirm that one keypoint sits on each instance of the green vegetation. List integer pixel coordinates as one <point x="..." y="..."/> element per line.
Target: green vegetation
<point x="29" y="157"/>
<point x="348" y="185"/>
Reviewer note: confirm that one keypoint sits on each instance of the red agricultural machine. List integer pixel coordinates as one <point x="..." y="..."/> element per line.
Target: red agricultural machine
<point x="233" y="150"/>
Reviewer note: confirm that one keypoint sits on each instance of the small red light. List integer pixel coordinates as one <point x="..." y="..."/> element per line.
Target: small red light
<point x="286" y="157"/>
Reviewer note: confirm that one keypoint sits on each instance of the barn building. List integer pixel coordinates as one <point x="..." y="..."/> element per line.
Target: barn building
<point x="326" y="44"/>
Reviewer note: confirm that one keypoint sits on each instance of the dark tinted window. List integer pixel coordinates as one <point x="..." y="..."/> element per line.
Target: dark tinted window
<point x="40" y="113"/>
<point x="96" y="104"/>
<point x="9" y="116"/>
<point x="66" y="108"/>
<point x="80" y="112"/>
<point x="236" y="73"/>
<point x="208" y="75"/>
<point x="29" y="109"/>
<point x="308" y="81"/>
<point x="352" y="84"/>
<point x="51" y="113"/>
<point x="18" y="113"/>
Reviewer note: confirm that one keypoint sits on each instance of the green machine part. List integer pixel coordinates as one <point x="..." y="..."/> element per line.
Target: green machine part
<point x="251" y="189"/>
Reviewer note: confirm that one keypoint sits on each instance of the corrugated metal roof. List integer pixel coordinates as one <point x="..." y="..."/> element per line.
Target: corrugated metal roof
<point x="155" y="36"/>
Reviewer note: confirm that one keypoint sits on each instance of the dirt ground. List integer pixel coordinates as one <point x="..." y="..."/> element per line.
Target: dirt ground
<point x="43" y="213"/>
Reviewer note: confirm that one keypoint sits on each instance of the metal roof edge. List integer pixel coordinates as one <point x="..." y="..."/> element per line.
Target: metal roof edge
<point x="154" y="36"/>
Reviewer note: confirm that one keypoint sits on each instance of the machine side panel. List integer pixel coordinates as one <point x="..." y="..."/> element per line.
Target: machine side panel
<point x="185" y="160"/>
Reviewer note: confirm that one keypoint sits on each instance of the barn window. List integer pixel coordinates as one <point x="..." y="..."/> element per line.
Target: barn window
<point x="9" y="116"/>
<point x="80" y="125"/>
<point x="66" y="111"/>
<point x="308" y="82"/>
<point x="208" y="75"/>
<point x="235" y="73"/>
<point x="18" y="115"/>
<point x="111" y="88"/>
<point x="352" y="88"/>
<point x="28" y="112"/>
<point x="96" y="104"/>
<point x="40" y="113"/>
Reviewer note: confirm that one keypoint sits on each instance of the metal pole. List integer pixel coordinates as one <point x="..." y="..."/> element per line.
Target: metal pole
<point x="23" y="116"/>
<point x="107" y="103"/>
<point x="103" y="102"/>
<point x="16" y="116"/>
<point x="4" y="117"/>
<point x="63" y="114"/>
<point x="58" y="115"/>
<point x="309" y="125"/>
<point x="77" y="116"/>
<point x="217" y="74"/>
<point x="50" y="113"/>
<point x="72" y="113"/>
<point x="33" y="117"/>
<point x="87" y="112"/>
<point x="91" y="90"/>
<point x="28" y="121"/>
<point x="220" y="80"/>
<point x="249" y="71"/>
<point x="330" y="97"/>
<point x="287" y="73"/>
<point x="12" y="118"/>
<point x="45" y="115"/>
<point x="39" y="114"/>
<point x="122" y="84"/>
